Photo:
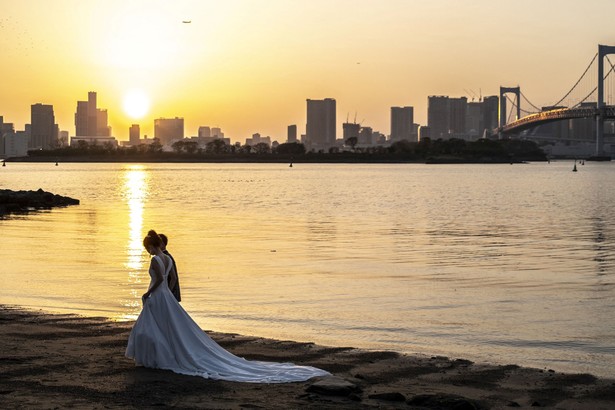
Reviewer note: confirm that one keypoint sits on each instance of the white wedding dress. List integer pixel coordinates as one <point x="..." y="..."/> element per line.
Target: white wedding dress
<point x="165" y="337"/>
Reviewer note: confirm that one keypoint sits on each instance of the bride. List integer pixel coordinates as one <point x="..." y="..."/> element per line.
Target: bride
<point x="165" y="337"/>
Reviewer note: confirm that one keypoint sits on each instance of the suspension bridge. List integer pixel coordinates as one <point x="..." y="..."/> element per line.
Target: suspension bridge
<point x="586" y="99"/>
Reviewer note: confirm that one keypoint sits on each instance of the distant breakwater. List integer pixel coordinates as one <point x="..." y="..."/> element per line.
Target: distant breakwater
<point x="25" y="201"/>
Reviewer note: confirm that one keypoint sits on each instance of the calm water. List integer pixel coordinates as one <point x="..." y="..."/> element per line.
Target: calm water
<point x="495" y="263"/>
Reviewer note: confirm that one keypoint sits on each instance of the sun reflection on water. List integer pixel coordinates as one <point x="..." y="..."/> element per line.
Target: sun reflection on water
<point x="135" y="193"/>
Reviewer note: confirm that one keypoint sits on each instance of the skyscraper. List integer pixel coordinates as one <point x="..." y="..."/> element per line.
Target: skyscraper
<point x="90" y="120"/>
<point x="490" y="112"/>
<point x="44" y="133"/>
<point x="168" y="129"/>
<point x="438" y="116"/>
<point x="402" y="119"/>
<point x="292" y="133"/>
<point x="320" y="127"/>
<point x="457" y="115"/>
<point x="134" y="135"/>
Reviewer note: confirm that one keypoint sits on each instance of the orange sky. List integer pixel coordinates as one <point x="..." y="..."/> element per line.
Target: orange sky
<point x="248" y="65"/>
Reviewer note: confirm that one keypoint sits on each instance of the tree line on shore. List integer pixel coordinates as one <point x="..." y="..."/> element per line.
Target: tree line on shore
<point x="426" y="150"/>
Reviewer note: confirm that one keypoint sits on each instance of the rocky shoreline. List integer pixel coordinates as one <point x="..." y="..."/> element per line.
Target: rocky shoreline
<point x="25" y="201"/>
<point x="65" y="361"/>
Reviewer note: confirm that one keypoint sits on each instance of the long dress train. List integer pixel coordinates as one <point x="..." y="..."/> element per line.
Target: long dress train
<point x="165" y="337"/>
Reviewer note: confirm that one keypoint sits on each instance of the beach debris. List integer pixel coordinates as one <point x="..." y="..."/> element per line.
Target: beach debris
<point x="333" y="386"/>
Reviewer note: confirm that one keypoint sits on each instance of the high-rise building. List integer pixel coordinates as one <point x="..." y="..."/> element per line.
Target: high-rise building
<point x="366" y="136"/>
<point x="457" y="116"/>
<point x="102" y="129"/>
<point x="402" y="119"/>
<point x="44" y="132"/>
<point x="217" y="132"/>
<point x="292" y="133"/>
<point x="320" y="127"/>
<point x="351" y="130"/>
<point x="438" y="116"/>
<point x="490" y="113"/>
<point x="134" y="135"/>
<point x="474" y="119"/>
<point x="204" y="132"/>
<point x="168" y="129"/>
<point x="90" y="120"/>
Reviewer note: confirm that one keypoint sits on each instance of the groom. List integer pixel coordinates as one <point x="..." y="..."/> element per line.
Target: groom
<point x="175" y="289"/>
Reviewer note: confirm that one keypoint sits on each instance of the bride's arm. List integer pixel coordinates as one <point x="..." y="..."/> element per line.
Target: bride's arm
<point x="157" y="280"/>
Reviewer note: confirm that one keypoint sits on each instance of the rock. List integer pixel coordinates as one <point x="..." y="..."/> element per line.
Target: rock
<point x="443" y="401"/>
<point x="333" y="386"/>
<point x="24" y="201"/>
<point x="392" y="396"/>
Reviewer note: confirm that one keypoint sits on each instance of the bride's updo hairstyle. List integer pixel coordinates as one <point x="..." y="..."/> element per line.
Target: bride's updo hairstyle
<point x="152" y="239"/>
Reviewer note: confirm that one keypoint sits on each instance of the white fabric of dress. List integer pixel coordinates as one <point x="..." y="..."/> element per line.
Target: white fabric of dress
<point x="165" y="337"/>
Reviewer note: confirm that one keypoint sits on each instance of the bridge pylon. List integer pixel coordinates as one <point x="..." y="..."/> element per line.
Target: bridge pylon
<point x="503" y="91"/>
<point x="602" y="52"/>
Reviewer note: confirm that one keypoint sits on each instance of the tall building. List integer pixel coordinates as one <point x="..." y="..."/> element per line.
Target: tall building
<point x="204" y="132"/>
<point x="44" y="131"/>
<point x="168" y="129"/>
<point x="134" y="135"/>
<point x="490" y="113"/>
<point x="438" y="116"/>
<point x="102" y="129"/>
<point x="320" y="127"/>
<point x="292" y="133"/>
<point x="402" y="119"/>
<point x="351" y="130"/>
<point x="474" y="119"/>
<point x="366" y="136"/>
<point x="457" y="116"/>
<point x="90" y="120"/>
<point x="217" y="132"/>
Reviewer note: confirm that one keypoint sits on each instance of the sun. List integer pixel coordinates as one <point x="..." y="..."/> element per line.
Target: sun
<point x="136" y="104"/>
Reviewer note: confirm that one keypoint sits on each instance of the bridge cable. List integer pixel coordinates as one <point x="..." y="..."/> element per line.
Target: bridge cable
<point x="515" y="105"/>
<point x="596" y="87"/>
<point x="577" y="83"/>
<point x="529" y="102"/>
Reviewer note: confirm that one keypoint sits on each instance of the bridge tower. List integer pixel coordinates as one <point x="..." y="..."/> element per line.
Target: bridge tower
<point x="602" y="52"/>
<point x="503" y="91"/>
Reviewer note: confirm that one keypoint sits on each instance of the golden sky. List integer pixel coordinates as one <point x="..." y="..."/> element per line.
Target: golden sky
<point x="248" y="66"/>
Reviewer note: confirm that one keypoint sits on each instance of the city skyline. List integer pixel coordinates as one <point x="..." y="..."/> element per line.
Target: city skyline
<point x="249" y="69"/>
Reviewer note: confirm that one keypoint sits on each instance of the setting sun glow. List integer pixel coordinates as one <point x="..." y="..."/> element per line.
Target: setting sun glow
<point x="136" y="104"/>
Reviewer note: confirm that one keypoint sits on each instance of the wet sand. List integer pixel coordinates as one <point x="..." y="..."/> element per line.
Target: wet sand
<point x="51" y="361"/>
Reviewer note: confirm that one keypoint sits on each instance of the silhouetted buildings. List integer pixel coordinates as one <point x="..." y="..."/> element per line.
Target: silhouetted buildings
<point x="321" y="123"/>
<point x="43" y="131"/>
<point x="134" y="135"/>
<point x="351" y="130"/>
<point x="168" y="129"/>
<point x="90" y="121"/>
<point x="204" y="132"/>
<point x="291" y="134"/>
<point x="402" y="121"/>
<point x="257" y="139"/>
<point x="456" y="118"/>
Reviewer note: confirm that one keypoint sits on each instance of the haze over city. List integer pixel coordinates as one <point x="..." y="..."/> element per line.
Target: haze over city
<point x="248" y="67"/>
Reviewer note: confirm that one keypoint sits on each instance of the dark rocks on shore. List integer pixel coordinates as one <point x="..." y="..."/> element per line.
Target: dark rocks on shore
<point x="24" y="201"/>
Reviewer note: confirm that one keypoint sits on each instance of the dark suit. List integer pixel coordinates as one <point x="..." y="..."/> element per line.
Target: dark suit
<point x="175" y="291"/>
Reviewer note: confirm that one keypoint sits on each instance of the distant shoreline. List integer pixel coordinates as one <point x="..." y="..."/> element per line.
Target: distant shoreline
<point x="307" y="159"/>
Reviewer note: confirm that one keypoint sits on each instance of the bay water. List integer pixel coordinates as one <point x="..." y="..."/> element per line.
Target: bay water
<point x="493" y="263"/>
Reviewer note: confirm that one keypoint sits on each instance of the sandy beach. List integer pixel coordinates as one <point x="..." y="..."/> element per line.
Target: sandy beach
<point x="52" y="361"/>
